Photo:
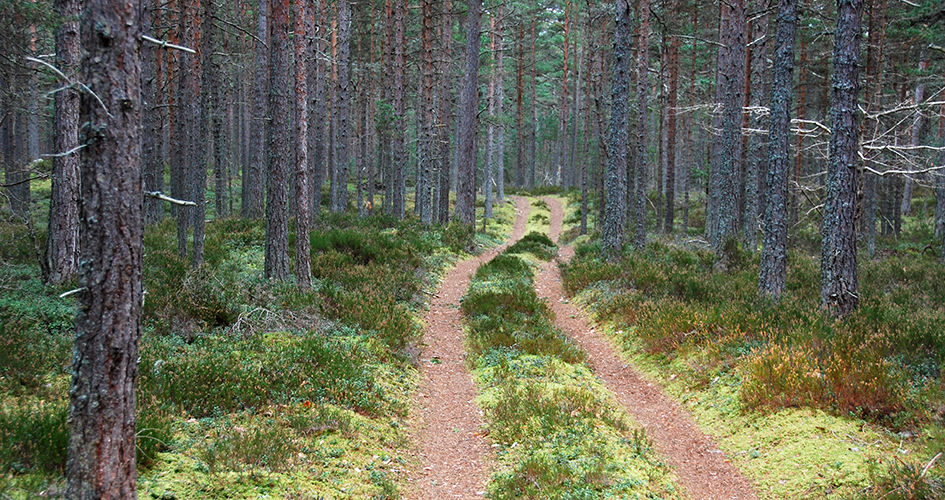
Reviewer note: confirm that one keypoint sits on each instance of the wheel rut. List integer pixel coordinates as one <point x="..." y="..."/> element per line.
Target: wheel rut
<point x="455" y="458"/>
<point x="703" y="470"/>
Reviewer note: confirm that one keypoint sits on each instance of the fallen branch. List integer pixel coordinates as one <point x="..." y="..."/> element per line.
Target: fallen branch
<point x="161" y="196"/>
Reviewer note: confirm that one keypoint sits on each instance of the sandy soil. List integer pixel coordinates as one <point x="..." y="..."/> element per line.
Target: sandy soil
<point x="702" y="469"/>
<point x="455" y="457"/>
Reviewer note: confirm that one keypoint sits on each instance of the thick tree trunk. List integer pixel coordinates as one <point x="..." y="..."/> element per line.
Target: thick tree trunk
<point x="63" y="231"/>
<point x="727" y="158"/>
<point x="521" y="136"/>
<point x="341" y="156"/>
<point x="839" y="288"/>
<point x="214" y="109"/>
<point x="102" y="415"/>
<point x="469" y="120"/>
<point x="773" y="273"/>
<point x="616" y="176"/>
<point x="277" y="224"/>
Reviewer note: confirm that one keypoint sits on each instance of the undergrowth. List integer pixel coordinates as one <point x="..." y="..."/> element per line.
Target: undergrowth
<point x="882" y="364"/>
<point x="558" y="433"/>
<point x="247" y="387"/>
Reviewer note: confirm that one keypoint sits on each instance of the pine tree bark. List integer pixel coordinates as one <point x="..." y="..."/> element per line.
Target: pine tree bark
<point x="639" y="237"/>
<point x="62" y="243"/>
<point x="277" y="224"/>
<point x="727" y="158"/>
<point x="255" y="183"/>
<point x="341" y="155"/>
<point x="469" y="120"/>
<point x="672" y="59"/>
<point x="151" y="89"/>
<point x="499" y="101"/>
<point x="616" y="175"/>
<point x="444" y="117"/>
<point x="102" y="415"/>
<point x="839" y="286"/>
<point x="773" y="273"/>
<point x="303" y="203"/>
<point x="425" y="145"/>
<point x="756" y="94"/>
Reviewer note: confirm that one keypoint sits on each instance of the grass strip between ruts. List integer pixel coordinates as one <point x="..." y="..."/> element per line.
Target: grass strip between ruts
<point x="557" y="431"/>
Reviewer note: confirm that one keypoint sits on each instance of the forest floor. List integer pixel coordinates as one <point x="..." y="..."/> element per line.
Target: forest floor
<point x="455" y="455"/>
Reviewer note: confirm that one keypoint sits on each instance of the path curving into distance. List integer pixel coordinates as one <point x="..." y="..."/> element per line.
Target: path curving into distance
<point x="455" y="458"/>
<point x="702" y="468"/>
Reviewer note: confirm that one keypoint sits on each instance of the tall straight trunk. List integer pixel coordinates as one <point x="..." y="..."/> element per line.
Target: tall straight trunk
<point x="639" y="238"/>
<point x="533" y="126"/>
<point x="756" y="87"/>
<point x="102" y="415"/>
<point x="372" y="111"/>
<point x="488" y="168"/>
<point x="520" y="109"/>
<point x="915" y="139"/>
<point x="730" y="93"/>
<point x="940" y="187"/>
<point x="151" y="89"/>
<point x="839" y="293"/>
<point x="425" y="145"/>
<point x="690" y="120"/>
<point x="215" y="107"/>
<point x="444" y="117"/>
<point x="303" y="204"/>
<point x="616" y="176"/>
<point x="181" y="174"/>
<point x="874" y="84"/>
<point x="575" y="115"/>
<point x="802" y="83"/>
<point x="672" y="58"/>
<point x="773" y="269"/>
<point x="62" y="242"/>
<point x="197" y="154"/>
<point x="280" y="71"/>
<point x="499" y="101"/>
<point x="255" y="183"/>
<point x="399" y="146"/>
<point x="318" y="131"/>
<point x="469" y="120"/>
<point x="340" y="154"/>
<point x="561" y="167"/>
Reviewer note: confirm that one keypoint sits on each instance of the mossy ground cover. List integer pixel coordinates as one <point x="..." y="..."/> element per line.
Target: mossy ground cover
<point x="557" y="431"/>
<point x="807" y="406"/>
<point x="248" y="388"/>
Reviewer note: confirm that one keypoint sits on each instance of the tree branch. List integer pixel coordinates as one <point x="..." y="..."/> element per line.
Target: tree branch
<point x="161" y="196"/>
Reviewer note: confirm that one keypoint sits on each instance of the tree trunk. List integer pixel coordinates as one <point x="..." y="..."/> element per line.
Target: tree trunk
<point x="533" y="126"/>
<point x="341" y="157"/>
<point x="730" y="93"/>
<point x="616" y="176"/>
<point x="102" y="415"/>
<point x="255" y="183"/>
<point x="215" y="109"/>
<point x="499" y="101"/>
<point x="62" y="237"/>
<point x="561" y="167"/>
<point x="399" y="147"/>
<point x="839" y="288"/>
<point x="277" y="230"/>
<point x="756" y="87"/>
<point x="151" y="90"/>
<point x="469" y="120"/>
<point x="639" y="239"/>
<point x="773" y="274"/>
<point x="672" y="59"/>
<point x="303" y="204"/>
<point x="425" y="145"/>
<point x="521" y="136"/>
<point x="198" y="154"/>
<point x="444" y="117"/>
<point x="915" y="140"/>
<point x="874" y="84"/>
